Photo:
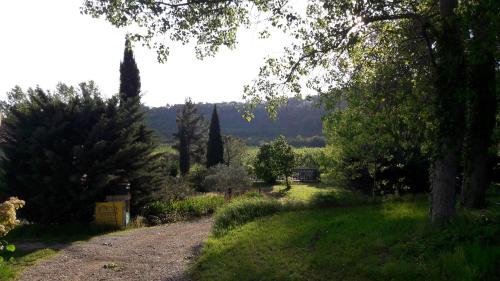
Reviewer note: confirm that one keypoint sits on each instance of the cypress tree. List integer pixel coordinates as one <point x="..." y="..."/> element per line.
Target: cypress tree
<point x="143" y="168"/>
<point x="130" y="81"/>
<point x="215" y="146"/>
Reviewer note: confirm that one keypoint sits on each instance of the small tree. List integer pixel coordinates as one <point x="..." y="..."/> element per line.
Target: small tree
<point x="215" y="146"/>
<point x="263" y="165"/>
<point x="275" y="160"/>
<point x="283" y="159"/>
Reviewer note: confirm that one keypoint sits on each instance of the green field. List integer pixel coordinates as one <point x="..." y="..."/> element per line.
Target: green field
<point x="389" y="241"/>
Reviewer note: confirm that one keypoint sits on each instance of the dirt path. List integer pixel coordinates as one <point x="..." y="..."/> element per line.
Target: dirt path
<point x="157" y="253"/>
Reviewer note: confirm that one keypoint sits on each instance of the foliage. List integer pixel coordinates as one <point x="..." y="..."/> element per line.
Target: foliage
<point x="275" y="160"/>
<point x="234" y="150"/>
<point x="392" y="241"/>
<point x="263" y="165"/>
<point x="145" y="174"/>
<point x="130" y="81"/>
<point x="8" y="218"/>
<point x="175" y="188"/>
<point x="190" y="136"/>
<point x="227" y="179"/>
<point x="379" y="140"/>
<point x="196" y="177"/>
<point x="309" y="157"/>
<point x="68" y="149"/>
<point x="159" y="212"/>
<point x="215" y="146"/>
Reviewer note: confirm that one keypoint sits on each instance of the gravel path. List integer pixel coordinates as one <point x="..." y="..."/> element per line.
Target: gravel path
<point x="156" y="253"/>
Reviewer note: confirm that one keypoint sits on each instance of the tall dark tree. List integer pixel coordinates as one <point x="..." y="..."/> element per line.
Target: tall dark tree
<point x="482" y="101"/>
<point x="191" y="136"/>
<point x="144" y="169"/>
<point x="215" y="146"/>
<point x="130" y="81"/>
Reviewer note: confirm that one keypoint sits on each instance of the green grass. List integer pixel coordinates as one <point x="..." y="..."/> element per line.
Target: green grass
<point x="389" y="241"/>
<point x="300" y="192"/>
<point x="165" y="212"/>
<point x="11" y="269"/>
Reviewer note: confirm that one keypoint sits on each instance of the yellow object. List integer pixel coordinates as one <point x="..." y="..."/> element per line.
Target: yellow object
<point x="111" y="213"/>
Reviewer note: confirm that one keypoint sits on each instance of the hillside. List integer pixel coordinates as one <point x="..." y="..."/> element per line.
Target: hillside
<point x="298" y="120"/>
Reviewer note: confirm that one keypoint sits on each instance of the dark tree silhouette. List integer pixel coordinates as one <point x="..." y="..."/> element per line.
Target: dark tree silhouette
<point x="130" y="81"/>
<point x="190" y="136"/>
<point x="144" y="168"/>
<point x="215" y="146"/>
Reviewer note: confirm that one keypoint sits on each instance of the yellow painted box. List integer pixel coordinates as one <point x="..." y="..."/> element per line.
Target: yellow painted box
<point x="111" y="213"/>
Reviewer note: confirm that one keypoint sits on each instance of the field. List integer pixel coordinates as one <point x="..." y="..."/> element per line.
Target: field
<point x="385" y="241"/>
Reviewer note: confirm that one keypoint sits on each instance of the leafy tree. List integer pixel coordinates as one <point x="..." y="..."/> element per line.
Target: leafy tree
<point x="215" y="146"/>
<point x="263" y="165"/>
<point x="283" y="159"/>
<point x="190" y="136"/>
<point x="275" y="160"/>
<point x="63" y="151"/>
<point x="325" y="34"/>
<point x="234" y="150"/>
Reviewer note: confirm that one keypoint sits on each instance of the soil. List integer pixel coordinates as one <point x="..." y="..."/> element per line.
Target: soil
<point x="160" y="253"/>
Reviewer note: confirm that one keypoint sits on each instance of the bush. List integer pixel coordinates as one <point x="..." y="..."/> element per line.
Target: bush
<point x="227" y="178"/>
<point x="176" y="189"/>
<point x="196" y="177"/>
<point x="166" y="212"/>
<point x="242" y="211"/>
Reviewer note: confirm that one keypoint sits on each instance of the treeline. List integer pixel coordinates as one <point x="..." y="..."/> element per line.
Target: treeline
<point x="299" y="120"/>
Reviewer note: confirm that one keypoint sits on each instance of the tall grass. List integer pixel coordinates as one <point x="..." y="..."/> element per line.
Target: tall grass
<point x="165" y="212"/>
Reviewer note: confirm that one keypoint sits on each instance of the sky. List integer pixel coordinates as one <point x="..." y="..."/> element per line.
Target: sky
<point x="46" y="42"/>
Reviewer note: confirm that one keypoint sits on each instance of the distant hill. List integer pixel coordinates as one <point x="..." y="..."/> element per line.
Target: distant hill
<point x="299" y="120"/>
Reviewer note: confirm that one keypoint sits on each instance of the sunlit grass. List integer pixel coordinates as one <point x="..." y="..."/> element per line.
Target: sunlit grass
<point x="389" y="241"/>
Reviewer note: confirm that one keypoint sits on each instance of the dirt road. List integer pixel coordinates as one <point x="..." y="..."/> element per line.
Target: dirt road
<point x="157" y="253"/>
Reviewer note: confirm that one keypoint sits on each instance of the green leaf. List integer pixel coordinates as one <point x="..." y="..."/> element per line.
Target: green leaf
<point x="10" y="248"/>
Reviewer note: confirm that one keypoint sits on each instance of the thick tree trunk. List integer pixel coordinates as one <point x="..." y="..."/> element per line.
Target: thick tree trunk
<point x="481" y="115"/>
<point x="443" y="178"/>
<point x="450" y="110"/>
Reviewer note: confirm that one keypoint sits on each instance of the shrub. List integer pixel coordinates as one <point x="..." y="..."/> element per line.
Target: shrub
<point x="166" y="212"/>
<point x="176" y="189"/>
<point x="8" y="218"/>
<point x="227" y="178"/>
<point x="242" y="211"/>
<point x="196" y="177"/>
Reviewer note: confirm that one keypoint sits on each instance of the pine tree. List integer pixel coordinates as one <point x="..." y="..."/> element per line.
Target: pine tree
<point x="190" y="136"/>
<point x="215" y="146"/>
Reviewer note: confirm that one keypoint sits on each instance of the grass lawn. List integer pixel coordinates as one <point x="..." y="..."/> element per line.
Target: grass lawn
<point x="391" y="241"/>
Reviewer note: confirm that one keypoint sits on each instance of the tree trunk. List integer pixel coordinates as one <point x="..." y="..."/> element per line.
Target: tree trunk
<point x="450" y="87"/>
<point x="443" y="178"/>
<point x="481" y="115"/>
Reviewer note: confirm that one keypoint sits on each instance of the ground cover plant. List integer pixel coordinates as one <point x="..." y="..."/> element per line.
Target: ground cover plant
<point x="159" y="212"/>
<point x="390" y="240"/>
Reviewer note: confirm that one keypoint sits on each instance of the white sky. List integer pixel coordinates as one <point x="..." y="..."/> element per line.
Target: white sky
<point x="44" y="42"/>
